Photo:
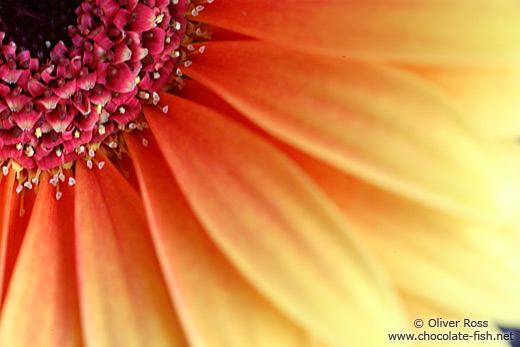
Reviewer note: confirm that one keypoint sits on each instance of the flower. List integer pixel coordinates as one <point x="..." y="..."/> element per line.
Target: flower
<point x="315" y="173"/>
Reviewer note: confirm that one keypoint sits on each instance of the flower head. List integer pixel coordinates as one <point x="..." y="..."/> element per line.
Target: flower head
<point x="257" y="173"/>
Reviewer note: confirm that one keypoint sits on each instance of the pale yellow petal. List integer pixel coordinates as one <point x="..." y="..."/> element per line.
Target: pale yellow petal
<point x="456" y="265"/>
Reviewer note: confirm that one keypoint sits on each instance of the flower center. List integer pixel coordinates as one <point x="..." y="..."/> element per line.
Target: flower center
<point x="75" y="73"/>
<point x="37" y="25"/>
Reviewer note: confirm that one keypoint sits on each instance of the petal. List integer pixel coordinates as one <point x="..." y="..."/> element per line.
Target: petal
<point x="382" y="124"/>
<point x="230" y="313"/>
<point x="455" y="265"/>
<point x="41" y="306"/>
<point x="277" y="229"/>
<point x="6" y="194"/>
<point x="123" y="299"/>
<point x="406" y="30"/>
<point x="17" y="208"/>
<point x="216" y="33"/>
<point x="125" y="166"/>
<point x="491" y="92"/>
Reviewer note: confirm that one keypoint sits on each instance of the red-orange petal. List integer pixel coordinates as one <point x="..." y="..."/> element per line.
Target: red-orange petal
<point x="41" y="306"/>
<point x="6" y="193"/>
<point x="216" y="33"/>
<point x="122" y="294"/>
<point x="406" y="30"/>
<point x="279" y="231"/>
<point x="380" y="123"/>
<point x="18" y="211"/>
<point x="227" y="312"/>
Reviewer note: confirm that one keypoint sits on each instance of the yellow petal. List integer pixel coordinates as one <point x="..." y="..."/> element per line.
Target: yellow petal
<point x="456" y="265"/>
<point x="277" y="229"/>
<point x="491" y="92"/>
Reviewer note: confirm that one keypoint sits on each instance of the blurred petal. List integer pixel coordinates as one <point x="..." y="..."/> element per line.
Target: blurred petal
<point x="491" y="92"/>
<point x="230" y="313"/>
<point x="41" y="307"/>
<point x="458" y="266"/>
<point x="406" y="30"/>
<point x="380" y="123"/>
<point x="123" y="297"/>
<point x="274" y="225"/>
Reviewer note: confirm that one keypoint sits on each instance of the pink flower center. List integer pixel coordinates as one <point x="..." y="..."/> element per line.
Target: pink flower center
<point x="66" y="87"/>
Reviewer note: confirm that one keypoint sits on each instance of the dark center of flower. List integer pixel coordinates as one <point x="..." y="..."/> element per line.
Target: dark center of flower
<point x="37" y="25"/>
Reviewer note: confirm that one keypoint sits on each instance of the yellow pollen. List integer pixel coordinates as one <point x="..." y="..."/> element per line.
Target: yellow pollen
<point x="18" y="146"/>
<point x="101" y="130"/>
<point x="29" y="151"/>
<point x="38" y="132"/>
<point x="16" y="167"/>
<point x="143" y="95"/>
<point x="98" y="108"/>
<point x="159" y="18"/>
<point x="77" y="134"/>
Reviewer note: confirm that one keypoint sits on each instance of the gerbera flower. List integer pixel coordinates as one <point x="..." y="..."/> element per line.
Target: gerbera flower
<point x="256" y="173"/>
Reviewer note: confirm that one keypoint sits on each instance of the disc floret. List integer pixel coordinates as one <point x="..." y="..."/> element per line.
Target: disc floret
<point x="53" y="108"/>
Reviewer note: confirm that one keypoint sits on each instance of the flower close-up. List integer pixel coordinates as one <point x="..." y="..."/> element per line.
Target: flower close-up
<point x="259" y="173"/>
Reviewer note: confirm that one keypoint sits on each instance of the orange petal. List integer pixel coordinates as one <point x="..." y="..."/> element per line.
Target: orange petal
<point x="41" y="306"/>
<point x="454" y="265"/>
<point x="18" y="211"/>
<point x="406" y="30"/>
<point x="276" y="227"/>
<point x="6" y="193"/>
<point x="382" y="124"/>
<point x="216" y="33"/>
<point x="123" y="298"/>
<point x="125" y="166"/>
<point x="198" y="93"/>
<point x="228" y="312"/>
